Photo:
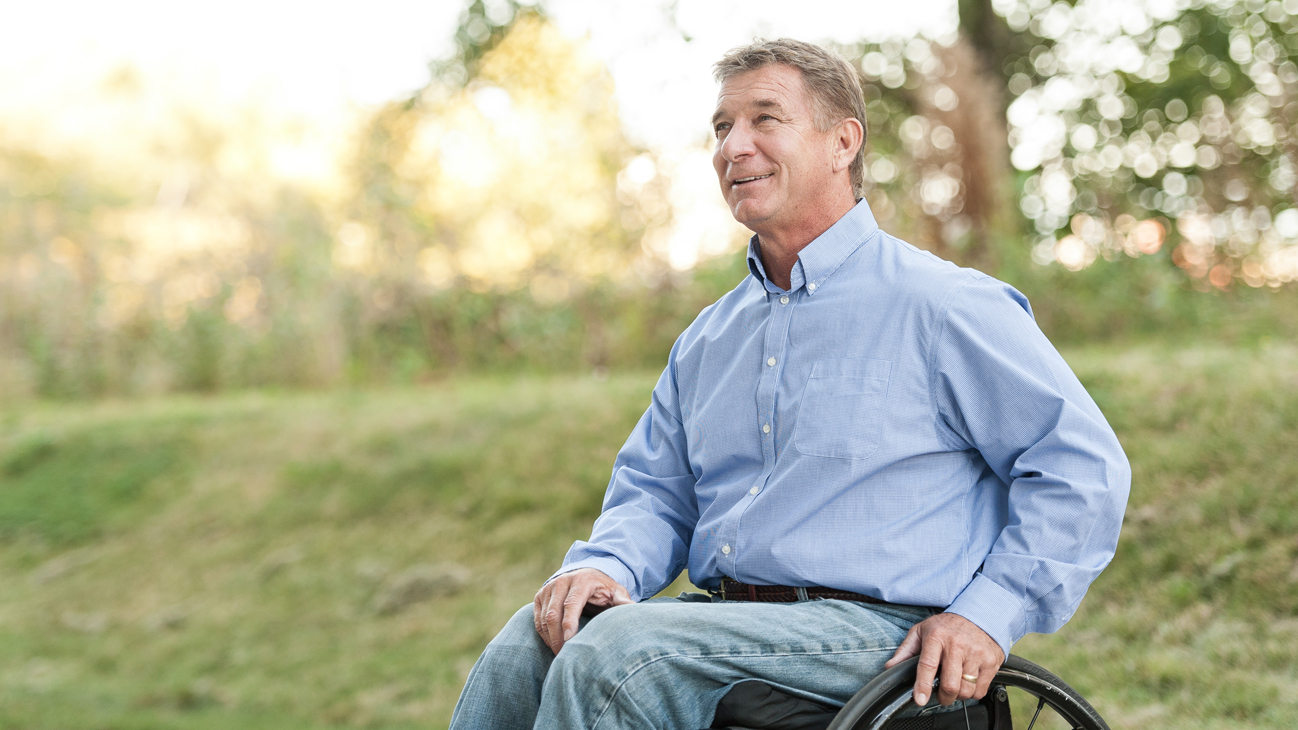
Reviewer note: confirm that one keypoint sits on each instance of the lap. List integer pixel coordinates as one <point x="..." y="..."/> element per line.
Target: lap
<point x="822" y="650"/>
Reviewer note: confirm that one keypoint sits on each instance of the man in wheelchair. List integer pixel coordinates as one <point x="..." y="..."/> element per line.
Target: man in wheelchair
<point x="863" y="453"/>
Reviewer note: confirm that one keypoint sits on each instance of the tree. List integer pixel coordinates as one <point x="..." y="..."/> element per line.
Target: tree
<point x="1136" y="127"/>
<point x="508" y="173"/>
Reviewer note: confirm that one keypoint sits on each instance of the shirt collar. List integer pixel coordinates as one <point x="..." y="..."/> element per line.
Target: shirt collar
<point x="822" y="257"/>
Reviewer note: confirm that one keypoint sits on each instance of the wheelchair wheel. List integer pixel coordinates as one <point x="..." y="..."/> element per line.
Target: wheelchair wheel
<point x="1023" y="696"/>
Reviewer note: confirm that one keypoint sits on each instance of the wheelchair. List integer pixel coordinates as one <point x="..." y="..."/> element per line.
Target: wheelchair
<point x="1023" y="696"/>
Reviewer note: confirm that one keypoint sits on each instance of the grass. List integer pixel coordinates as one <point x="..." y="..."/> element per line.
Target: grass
<point x="339" y="559"/>
<point x="1195" y="623"/>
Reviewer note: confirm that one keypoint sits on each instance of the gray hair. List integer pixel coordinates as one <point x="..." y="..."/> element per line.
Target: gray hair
<point x="832" y="82"/>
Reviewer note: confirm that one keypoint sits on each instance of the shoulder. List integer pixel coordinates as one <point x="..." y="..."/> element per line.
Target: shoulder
<point x="935" y="284"/>
<point x="720" y="315"/>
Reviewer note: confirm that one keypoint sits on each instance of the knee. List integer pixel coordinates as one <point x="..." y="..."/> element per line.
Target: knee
<point x="517" y="641"/>
<point x="616" y="641"/>
<point x="634" y="660"/>
<point x="504" y="686"/>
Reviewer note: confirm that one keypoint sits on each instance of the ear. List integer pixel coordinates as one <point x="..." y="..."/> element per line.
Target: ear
<point x="846" y="137"/>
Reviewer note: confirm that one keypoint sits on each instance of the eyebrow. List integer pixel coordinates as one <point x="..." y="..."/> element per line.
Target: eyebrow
<point x="760" y="104"/>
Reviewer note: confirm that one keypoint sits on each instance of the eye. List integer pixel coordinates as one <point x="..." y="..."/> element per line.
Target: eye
<point x="765" y="118"/>
<point x="721" y="128"/>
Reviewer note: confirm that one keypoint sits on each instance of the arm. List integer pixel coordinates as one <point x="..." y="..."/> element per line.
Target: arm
<point x="640" y="542"/>
<point x="1001" y="388"/>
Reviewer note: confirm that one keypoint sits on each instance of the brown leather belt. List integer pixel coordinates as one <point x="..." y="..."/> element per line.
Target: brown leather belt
<point x="733" y="590"/>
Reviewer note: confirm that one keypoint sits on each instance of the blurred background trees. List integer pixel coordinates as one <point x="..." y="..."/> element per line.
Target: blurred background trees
<point x="1129" y="165"/>
<point x="1128" y="125"/>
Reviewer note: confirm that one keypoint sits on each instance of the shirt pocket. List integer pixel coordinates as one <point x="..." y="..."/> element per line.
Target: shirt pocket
<point x="841" y="415"/>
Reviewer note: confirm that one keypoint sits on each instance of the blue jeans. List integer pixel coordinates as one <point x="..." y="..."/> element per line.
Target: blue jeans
<point x="665" y="663"/>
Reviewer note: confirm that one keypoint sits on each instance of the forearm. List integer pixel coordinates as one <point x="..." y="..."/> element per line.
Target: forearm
<point x="642" y="543"/>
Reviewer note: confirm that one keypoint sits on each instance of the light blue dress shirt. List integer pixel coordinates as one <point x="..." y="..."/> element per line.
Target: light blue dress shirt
<point x="892" y="425"/>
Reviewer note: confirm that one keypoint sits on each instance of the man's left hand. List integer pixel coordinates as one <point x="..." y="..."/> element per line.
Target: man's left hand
<point x="955" y="646"/>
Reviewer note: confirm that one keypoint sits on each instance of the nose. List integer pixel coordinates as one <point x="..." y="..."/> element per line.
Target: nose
<point x="738" y="142"/>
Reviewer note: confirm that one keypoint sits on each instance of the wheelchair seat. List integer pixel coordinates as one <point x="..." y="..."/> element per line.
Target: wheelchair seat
<point x="1023" y="695"/>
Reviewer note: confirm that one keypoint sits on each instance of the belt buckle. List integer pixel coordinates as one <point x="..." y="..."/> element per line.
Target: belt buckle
<point x="802" y="593"/>
<point x="721" y="590"/>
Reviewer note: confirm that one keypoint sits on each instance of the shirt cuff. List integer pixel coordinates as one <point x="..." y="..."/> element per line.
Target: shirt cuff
<point x="612" y="567"/>
<point x="993" y="609"/>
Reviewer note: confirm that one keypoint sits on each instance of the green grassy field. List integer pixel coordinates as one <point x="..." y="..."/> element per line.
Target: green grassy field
<point x="339" y="559"/>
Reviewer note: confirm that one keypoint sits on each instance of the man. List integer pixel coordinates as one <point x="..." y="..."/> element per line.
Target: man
<point x="882" y="442"/>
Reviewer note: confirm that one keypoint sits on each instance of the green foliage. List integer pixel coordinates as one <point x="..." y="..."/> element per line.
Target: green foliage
<point x="1133" y="126"/>
<point x="483" y="25"/>
<point x="1173" y="112"/>
<point x="1144" y="299"/>
<point x="204" y="284"/>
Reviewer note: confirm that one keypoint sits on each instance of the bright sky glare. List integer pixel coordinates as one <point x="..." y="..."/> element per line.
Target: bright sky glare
<point x="315" y="58"/>
<point x="664" y="83"/>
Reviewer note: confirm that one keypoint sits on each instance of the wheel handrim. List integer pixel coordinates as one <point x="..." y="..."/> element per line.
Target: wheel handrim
<point x="1027" y="687"/>
<point x="1063" y="706"/>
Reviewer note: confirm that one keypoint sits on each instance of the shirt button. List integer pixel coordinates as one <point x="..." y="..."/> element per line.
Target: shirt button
<point x="766" y="428"/>
<point x="754" y="490"/>
<point x="770" y="361"/>
<point x="811" y="286"/>
<point x="784" y="300"/>
<point x="725" y="549"/>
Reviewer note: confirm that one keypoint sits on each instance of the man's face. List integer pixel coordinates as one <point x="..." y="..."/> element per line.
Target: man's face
<point x="770" y="158"/>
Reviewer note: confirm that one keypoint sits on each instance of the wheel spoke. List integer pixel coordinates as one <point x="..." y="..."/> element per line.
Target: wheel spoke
<point x="1041" y="702"/>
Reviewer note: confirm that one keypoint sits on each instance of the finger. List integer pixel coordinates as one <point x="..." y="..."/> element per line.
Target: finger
<point x="967" y="688"/>
<point x="553" y="617"/>
<point x="538" y="609"/>
<point x="609" y="593"/>
<point x="908" y="648"/>
<point x="573" y="604"/>
<point x="620" y="595"/>
<point x="988" y="667"/>
<point x="952" y="665"/>
<point x="930" y="658"/>
<point x="985" y="677"/>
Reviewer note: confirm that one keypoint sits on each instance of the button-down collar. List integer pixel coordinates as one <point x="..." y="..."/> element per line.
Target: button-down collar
<point x="822" y="257"/>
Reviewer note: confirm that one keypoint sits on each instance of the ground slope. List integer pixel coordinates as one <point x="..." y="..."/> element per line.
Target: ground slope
<point x="339" y="559"/>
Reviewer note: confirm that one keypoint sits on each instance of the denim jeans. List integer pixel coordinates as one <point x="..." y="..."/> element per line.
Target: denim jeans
<point x="665" y="663"/>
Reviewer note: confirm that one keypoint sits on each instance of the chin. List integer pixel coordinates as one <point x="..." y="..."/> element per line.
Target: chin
<point x="749" y="212"/>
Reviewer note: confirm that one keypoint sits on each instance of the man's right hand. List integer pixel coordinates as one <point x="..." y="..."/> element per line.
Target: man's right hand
<point x="558" y="605"/>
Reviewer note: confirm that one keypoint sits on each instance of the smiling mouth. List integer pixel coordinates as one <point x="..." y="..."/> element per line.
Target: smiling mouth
<point x="754" y="178"/>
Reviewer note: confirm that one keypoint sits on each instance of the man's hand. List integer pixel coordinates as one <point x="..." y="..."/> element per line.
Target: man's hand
<point x="558" y="605"/>
<point x="955" y="645"/>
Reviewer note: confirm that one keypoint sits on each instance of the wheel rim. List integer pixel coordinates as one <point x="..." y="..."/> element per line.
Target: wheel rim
<point x="1035" y="705"/>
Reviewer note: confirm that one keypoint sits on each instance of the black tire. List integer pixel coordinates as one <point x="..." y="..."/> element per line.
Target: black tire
<point x="874" y="706"/>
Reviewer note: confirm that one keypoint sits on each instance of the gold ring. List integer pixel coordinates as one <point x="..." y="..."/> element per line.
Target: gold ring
<point x="970" y="678"/>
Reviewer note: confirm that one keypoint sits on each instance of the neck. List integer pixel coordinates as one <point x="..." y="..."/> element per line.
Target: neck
<point x="779" y="245"/>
